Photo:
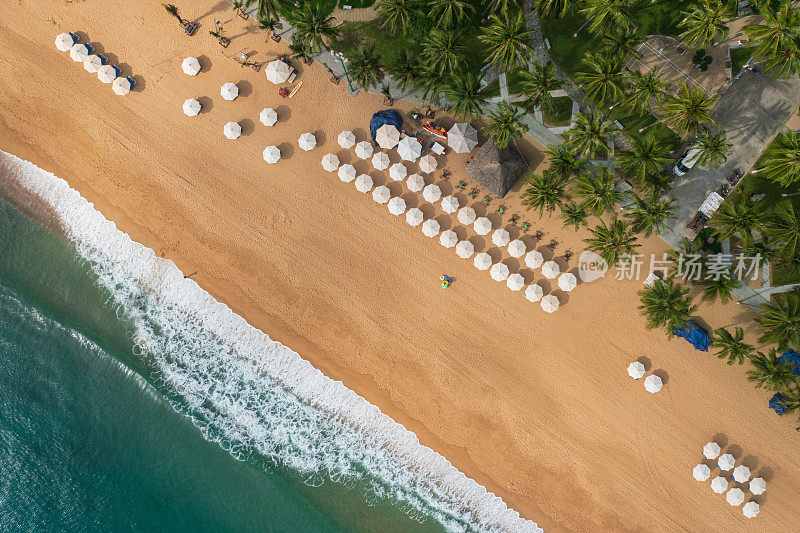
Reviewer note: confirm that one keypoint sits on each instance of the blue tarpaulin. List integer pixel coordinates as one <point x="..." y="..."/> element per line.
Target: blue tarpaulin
<point x="792" y="358"/>
<point x="696" y="335"/>
<point x="778" y="404"/>
<point x="387" y="116"/>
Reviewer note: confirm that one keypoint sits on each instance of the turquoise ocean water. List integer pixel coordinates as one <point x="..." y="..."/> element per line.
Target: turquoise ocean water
<point x="91" y="441"/>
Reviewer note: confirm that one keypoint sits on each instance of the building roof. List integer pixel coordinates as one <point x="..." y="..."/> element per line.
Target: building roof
<point x="495" y="168"/>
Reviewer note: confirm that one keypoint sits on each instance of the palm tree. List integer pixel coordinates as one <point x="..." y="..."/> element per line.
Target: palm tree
<point x="645" y="88"/>
<point x="719" y="286"/>
<point x="650" y="214"/>
<point x="666" y="304"/>
<point x="780" y="321"/>
<point x="547" y="191"/>
<point x="442" y="53"/>
<point x="449" y="12"/>
<point x="590" y="134"/>
<point x="782" y="159"/>
<point x="300" y="49"/>
<point x="690" y="108"/>
<point x="505" y="124"/>
<point x="364" y="67"/>
<point x="537" y="83"/>
<point x="714" y="145"/>
<point x="396" y="15"/>
<point x="731" y="345"/>
<point x="564" y="160"/>
<point x="622" y="42"/>
<point x="501" y="5"/>
<point x="267" y="23"/>
<point x="431" y="84"/>
<point x="786" y="62"/>
<point x="612" y="242"/>
<point x="464" y="93"/>
<point x="172" y="10"/>
<point x="737" y="217"/>
<point x="601" y="77"/>
<point x="574" y="215"/>
<point x="778" y="34"/>
<point x="782" y="228"/>
<point x="647" y="157"/>
<point x="267" y="9"/>
<point x="507" y="40"/>
<point x="770" y="372"/>
<point x="405" y="69"/>
<point x="597" y="191"/>
<point x="704" y="23"/>
<point x="609" y="14"/>
<point x="547" y="8"/>
<point x="313" y="25"/>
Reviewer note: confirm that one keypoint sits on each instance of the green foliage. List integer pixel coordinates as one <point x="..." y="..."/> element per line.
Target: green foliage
<point x="688" y="110"/>
<point x="602" y="77"/>
<point x="780" y="320"/>
<point x="545" y="191"/>
<point x="650" y="214"/>
<point x="769" y="372"/>
<point x="396" y="15"/>
<point x="778" y="37"/>
<point x="704" y="23"/>
<point x="313" y="26"/>
<point x="443" y="53"/>
<point x="645" y="161"/>
<point x="574" y="215"/>
<point x="781" y="160"/>
<point x="507" y="40"/>
<point x="564" y="160"/>
<point x="719" y="286"/>
<point x="364" y="67"/>
<point x="613" y="241"/>
<point x="666" y="304"/>
<point x="643" y="89"/>
<point x="731" y="346"/>
<point x="537" y="83"/>
<point x="505" y="125"/>
<point x="714" y="145"/>
<point x="737" y="217"/>
<point x="782" y="229"/>
<point x="590" y="134"/>
<point x="463" y="92"/>
<point x="608" y="15"/>
<point x="597" y="189"/>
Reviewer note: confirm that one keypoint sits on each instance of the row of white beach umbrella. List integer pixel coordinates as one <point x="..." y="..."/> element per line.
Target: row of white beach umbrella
<point x="652" y="383"/>
<point x="94" y="63"/>
<point x="388" y="137"/>
<point x="462" y="138"/>
<point x="741" y="474"/>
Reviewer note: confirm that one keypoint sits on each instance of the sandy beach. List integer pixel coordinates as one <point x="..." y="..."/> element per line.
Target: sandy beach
<point x="537" y="408"/>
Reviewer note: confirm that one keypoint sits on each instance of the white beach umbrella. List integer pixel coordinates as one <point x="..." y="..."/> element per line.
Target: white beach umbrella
<point x="711" y="450"/>
<point x="741" y="474"/>
<point x="232" y="130"/>
<point x="430" y="228"/>
<point x="271" y="154"/>
<point x="347" y="139"/>
<point x="482" y="225"/>
<point x="190" y="66"/>
<point x="652" y="384"/>
<point x="92" y="63"/>
<point x="380" y="161"/>
<point x="465" y="249"/>
<point x="750" y="510"/>
<point x="701" y="472"/>
<point x="387" y="136"/>
<point x="450" y="204"/>
<point x="499" y="272"/>
<point x="735" y="497"/>
<point x="427" y="163"/>
<point x="330" y="162"/>
<point x="278" y="71"/>
<point x="482" y="261"/>
<point x="500" y="237"/>
<point x="448" y="238"/>
<point x="516" y="248"/>
<point x="364" y="150"/>
<point x="347" y="173"/>
<point x="363" y="183"/>
<point x="191" y="107"/>
<point x="534" y="259"/>
<point x="567" y="281"/>
<point x="534" y="292"/>
<point x="409" y="148"/>
<point x="397" y="206"/>
<point x="398" y="172"/>
<point x="515" y="281"/>
<point x="636" y="370"/>
<point x="414" y="217"/>
<point x="726" y="462"/>
<point x="550" y="303"/>
<point x="719" y="484"/>
<point x="466" y="215"/>
<point x="381" y="194"/>
<point x="431" y="193"/>
<point x="307" y="141"/>
<point x="122" y="86"/>
<point x="229" y="91"/>
<point x="415" y="183"/>
<point x="550" y="269"/>
<point x="758" y="485"/>
<point x="268" y="116"/>
<point x="107" y="73"/>
<point x="79" y="52"/>
<point x="65" y="41"/>
<point x="462" y="138"/>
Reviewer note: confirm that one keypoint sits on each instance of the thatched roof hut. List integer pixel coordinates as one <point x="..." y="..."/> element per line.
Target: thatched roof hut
<point x="495" y="168"/>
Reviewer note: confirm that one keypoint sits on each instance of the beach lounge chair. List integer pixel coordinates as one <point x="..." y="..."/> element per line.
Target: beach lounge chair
<point x="335" y="79"/>
<point x="275" y="37"/>
<point x="292" y="76"/>
<point x="190" y="28"/>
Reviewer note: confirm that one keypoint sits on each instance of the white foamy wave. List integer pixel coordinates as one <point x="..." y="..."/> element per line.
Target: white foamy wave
<point x="255" y="396"/>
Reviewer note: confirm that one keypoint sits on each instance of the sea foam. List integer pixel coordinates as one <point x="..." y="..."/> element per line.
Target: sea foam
<point x="254" y="396"/>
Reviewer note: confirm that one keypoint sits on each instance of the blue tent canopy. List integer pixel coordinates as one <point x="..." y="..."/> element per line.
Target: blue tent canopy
<point x="792" y="358"/>
<point x="777" y="404"/>
<point x="696" y="335"/>
<point x="386" y="116"/>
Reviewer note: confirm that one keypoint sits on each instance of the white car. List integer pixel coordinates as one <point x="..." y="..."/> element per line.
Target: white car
<point x="687" y="161"/>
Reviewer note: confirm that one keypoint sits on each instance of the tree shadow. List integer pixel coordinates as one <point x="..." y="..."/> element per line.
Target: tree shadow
<point x="222" y="5"/>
